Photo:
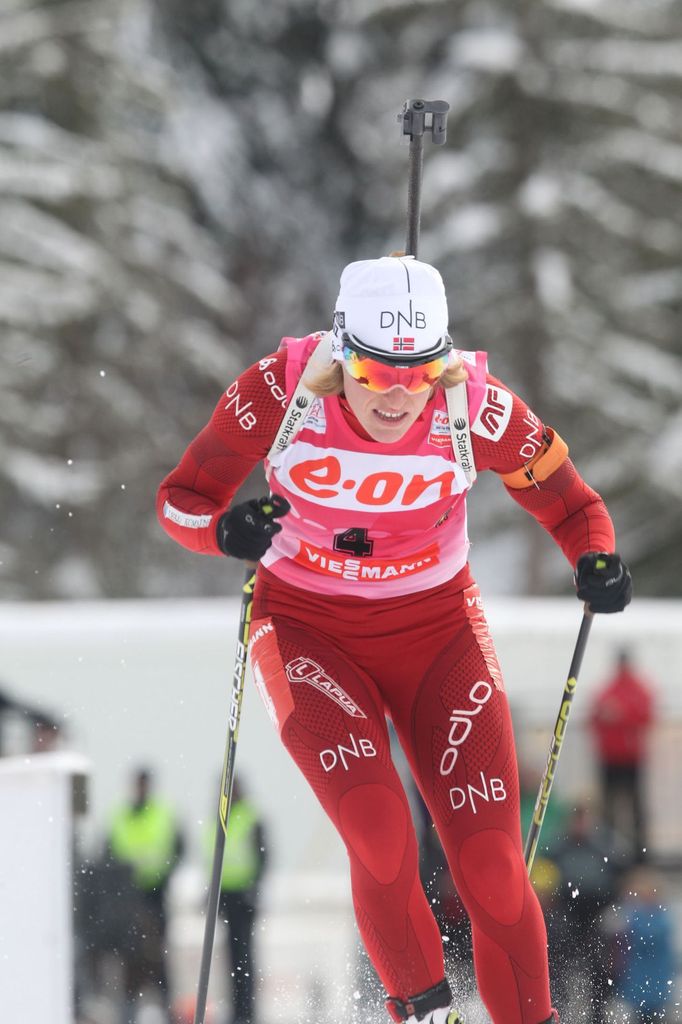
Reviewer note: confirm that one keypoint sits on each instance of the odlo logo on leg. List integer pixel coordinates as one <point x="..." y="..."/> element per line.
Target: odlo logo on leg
<point x="460" y="724"/>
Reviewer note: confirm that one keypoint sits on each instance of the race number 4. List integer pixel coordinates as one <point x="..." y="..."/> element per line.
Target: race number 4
<point x="354" y="542"/>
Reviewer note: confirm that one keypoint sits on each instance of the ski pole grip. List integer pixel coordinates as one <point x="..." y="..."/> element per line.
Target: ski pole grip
<point x="422" y="116"/>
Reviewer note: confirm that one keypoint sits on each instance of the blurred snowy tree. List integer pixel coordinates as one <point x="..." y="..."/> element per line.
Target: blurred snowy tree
<point x="182" y="183"/>
<point x="116" y="312"/>
<point x="259" y="137"/>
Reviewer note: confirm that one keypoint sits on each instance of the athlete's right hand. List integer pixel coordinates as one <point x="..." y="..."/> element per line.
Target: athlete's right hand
<point x="246" y="530"/>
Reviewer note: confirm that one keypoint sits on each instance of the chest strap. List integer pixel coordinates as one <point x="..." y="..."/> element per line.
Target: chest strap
<point x="460" y="429"/>
<point x="301" y="401"/>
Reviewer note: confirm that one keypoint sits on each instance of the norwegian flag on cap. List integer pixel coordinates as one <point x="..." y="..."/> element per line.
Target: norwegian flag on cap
<point x="403" y="344"/>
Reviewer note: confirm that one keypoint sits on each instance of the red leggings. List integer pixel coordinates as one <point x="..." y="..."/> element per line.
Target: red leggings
<point x="330" y="670"/>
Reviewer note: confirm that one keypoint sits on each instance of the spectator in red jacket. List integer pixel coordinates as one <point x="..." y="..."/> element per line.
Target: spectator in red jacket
<point x="621" y="717"/>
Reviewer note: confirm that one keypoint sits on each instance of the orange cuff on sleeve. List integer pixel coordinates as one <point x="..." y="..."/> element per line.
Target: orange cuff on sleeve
<point x="542" y="465"/>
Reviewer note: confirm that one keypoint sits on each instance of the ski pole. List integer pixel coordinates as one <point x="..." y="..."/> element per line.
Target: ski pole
<point x="416" y="118"/>
<point x="557" y="740"/>
<point x="227" y="779"/>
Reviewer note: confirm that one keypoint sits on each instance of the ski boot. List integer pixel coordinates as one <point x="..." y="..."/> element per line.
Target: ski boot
<point x="434" y="1006"/>
<point x="553" y="1018"/>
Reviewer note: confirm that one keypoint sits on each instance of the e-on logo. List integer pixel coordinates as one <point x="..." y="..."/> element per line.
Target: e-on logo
<point x="376" y="489"/>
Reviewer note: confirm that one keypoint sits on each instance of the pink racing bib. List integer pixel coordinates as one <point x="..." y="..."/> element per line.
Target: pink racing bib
<point x="367" y="519"/>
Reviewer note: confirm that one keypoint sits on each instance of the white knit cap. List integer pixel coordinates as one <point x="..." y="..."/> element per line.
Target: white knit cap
<point x="392" y="307"/>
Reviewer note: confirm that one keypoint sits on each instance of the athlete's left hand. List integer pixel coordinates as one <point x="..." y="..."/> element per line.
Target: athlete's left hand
<point x="603" y="581"/>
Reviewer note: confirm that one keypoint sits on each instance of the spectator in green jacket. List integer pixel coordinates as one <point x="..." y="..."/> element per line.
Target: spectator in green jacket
<point x="144" y="837"/>
<point x="243" y="866"/>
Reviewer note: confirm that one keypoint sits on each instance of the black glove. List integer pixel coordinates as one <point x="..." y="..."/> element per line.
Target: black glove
<point x="246" y="530"/>
<point x="603" y="581"/>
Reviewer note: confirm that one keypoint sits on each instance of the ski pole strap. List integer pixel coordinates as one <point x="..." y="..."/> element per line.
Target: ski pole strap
<point x="418" y="1006"/>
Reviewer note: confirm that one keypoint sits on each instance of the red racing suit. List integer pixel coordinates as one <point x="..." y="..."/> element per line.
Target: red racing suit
<point x="331" y="664"/>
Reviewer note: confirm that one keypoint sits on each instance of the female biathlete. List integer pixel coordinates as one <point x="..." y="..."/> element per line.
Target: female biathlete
<point x="365" y="608"/>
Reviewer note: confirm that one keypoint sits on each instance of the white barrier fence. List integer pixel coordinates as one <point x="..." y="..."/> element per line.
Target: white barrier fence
<point x="38" y="798"/>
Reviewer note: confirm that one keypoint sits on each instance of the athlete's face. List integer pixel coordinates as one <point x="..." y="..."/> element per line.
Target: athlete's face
<point x="385" y="415"/>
